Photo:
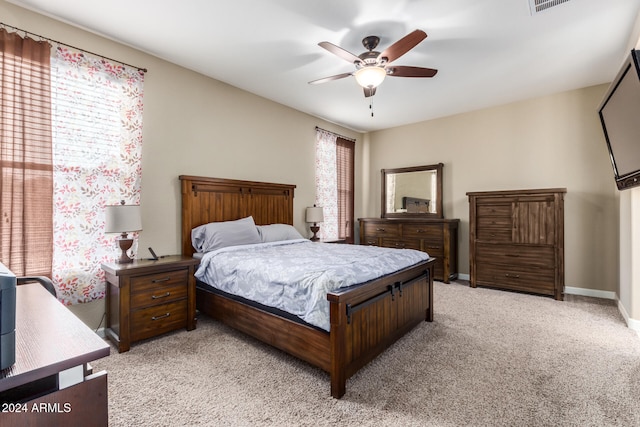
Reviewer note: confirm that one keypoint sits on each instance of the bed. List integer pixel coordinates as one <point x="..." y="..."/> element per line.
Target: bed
<point x="364" y="319"/>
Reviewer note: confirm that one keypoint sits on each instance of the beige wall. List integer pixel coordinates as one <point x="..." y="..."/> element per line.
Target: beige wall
<point x="629" y="302"/>
<point x="198" y="126"/>
<point x="552" y="141"/>
<point x="195" y="125"/>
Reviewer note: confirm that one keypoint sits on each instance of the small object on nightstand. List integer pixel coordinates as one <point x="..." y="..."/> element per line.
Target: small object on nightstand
<point x="154" y="257"/>
<point x="147" y="298"/>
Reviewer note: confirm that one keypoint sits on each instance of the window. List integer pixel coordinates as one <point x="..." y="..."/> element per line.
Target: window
<point x="71" y="140"/>
<point x="97" y="147"/>
<point x="335" y="184"/>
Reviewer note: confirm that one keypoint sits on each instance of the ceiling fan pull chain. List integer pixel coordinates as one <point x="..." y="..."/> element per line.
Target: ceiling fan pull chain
<point x="371" y="105"/>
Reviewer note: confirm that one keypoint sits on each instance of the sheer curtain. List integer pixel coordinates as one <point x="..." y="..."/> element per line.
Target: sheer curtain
<point x="97" y="140"/>
<point x="26" y="183"/>
<point x="327" y="182"/>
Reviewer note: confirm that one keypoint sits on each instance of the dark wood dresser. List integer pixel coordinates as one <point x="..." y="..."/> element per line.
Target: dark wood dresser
<point x="438" y="237"/>
<point x="52" y="382"/>
<point x="516" y="240"/>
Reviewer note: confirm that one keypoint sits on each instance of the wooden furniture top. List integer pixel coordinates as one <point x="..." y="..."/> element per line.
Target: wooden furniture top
<point x="411" y="219"/>
<point x="516" y="192"/>
<point x="49" y="338"/>
<point x="149" y="266"/>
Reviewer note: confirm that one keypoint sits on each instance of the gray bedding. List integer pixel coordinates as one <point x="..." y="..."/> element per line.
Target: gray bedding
<point x="296" y="275"/>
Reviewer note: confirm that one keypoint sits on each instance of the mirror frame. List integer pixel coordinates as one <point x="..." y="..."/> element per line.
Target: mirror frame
<point x="438" y="214"/>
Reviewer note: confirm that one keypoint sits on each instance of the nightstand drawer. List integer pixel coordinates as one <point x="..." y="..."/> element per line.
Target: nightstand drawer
<point x="152" y="282"/>
<point x="149" y="322"/>
<point x="161" y="295"/>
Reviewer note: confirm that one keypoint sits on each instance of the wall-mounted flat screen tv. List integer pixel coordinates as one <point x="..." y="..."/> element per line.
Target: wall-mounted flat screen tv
<point x="620" y="116"/>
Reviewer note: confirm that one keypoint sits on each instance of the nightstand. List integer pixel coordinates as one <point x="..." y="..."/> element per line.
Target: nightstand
<point x="147" y="298"/>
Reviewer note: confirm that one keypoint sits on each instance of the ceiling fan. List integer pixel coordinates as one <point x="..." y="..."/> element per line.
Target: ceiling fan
<point x="372" y="66"/>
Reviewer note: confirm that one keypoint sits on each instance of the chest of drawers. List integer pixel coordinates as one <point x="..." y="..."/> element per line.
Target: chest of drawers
<point x="516" y="240"/>
<point x="437" y="237"/>
<point x="149" y="298"/>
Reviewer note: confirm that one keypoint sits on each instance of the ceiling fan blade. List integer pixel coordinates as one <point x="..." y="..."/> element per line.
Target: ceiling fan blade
<point x="404" y="71"/>
<point x="328" y="79"/>
<point x="402" y="46"/>
<point x="369" y="91"/>
<point x="337" y="50"/>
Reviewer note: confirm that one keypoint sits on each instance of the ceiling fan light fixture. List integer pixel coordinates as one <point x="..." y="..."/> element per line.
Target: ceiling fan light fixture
<point x="370" y="76"/>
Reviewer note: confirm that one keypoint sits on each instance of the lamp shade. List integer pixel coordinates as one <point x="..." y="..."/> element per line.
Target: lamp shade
<point x="315" y="214"/>
<point x="370" y="76"/>
<point x="122" y="218"/>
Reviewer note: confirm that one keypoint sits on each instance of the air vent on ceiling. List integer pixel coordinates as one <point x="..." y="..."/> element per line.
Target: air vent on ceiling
<point x="537" y="6"/>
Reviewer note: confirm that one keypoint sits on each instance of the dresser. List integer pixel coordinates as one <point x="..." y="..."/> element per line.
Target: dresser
<point x="52" y="382"/>
<point x="516" y="240"/>
<point x="437" y="237"/>
<point x="147" y="298"/>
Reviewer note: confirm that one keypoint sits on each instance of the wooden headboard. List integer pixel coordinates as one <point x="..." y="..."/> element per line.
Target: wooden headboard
<point x="206" y="200"/>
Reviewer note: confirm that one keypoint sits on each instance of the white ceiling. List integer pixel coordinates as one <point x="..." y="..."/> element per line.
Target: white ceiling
<point x="488" y="52"/>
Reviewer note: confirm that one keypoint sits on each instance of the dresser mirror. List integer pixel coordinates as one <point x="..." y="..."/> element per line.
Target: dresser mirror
<point x="412" y="192"/>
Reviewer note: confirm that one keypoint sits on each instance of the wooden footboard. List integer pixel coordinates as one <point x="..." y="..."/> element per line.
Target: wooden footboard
<point x="366" y="320"/>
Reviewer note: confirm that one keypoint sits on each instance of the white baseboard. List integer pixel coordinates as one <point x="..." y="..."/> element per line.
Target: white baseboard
<point x="590" y="293"/>
<point x="632" y="324"/>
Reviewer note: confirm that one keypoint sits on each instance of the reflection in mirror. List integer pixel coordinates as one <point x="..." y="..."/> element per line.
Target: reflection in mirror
<point x="414" y="191"/>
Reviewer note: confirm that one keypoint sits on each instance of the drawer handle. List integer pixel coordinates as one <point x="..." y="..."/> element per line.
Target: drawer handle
<point x="160" y="280"/>
<point x="371" y="242"/>
<point x="433" y="247"/>
<point x="160" y="296"/>
<point x="161" y="317"/>
<point x="379" y="229"/>
<point x="420" y="230"/>
<point x="514" y="276"/>
<point x="400" y="245"/>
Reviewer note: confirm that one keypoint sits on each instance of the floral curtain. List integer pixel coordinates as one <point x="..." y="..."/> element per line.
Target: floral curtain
<point x="326" y="182"/>
<point x="97" y="147"/>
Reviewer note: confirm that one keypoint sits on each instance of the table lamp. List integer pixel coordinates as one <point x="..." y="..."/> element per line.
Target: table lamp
<point x="123" y="219"/>
<point x="315" y="215"/>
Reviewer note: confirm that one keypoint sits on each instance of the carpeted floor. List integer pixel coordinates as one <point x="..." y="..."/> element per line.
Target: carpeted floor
<point x="490" y="358"/>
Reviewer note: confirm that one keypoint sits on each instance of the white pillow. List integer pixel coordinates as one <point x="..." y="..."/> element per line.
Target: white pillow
<point x="216" y="235"/>
<point x="278" y="232"/>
